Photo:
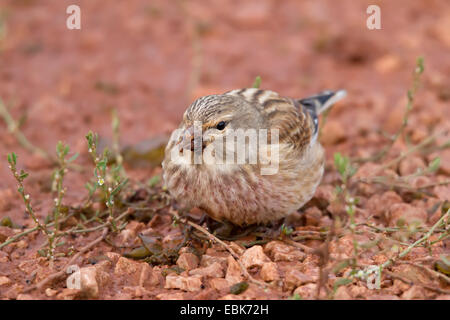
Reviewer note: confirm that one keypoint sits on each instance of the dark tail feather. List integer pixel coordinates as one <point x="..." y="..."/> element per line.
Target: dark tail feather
<point x="322" y="101"/>
<point x="317" y="104"/>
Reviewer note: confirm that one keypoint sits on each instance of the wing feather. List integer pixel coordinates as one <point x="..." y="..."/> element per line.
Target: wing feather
<point x="295" y="125"/>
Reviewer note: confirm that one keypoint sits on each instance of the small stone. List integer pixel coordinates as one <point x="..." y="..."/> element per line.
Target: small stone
<point x="252" y="14"/>
<point x="191" y="284"/>
<point x="387" y="63"/>
<point x="379" y="258"/>
<point x="313" y="216"/>
<point x="438" y="28"/>
<point x="378" y="205"/>
<point x="213" y="270"/>
<point x="209" y="259"/>
<point x="36" y="162"/>
<point x="22" y="244"/>
<point x="5" y="199"/>
<point x="445" y="161"/>
<point x="187" y="261"/>
<point x="342" y="294"/>
<point x="234" y="273"/>
<point x="123" y="296"/>
<point x="325" y="221"/>
<point x="135" y="291"/>
<point x="410" y="165"/>
<point x="358" y="291"/>
<point x="103" y="265"/>
<point x="4" y="257"/>
<point x="231" y="297"/>
<point x="171" y="296"/>
<point x="238" y="249"/>
<point x="398" y="287"/>
<point x="135" y="226"/>
<point x="5" y="233"/>
<point x="149" y="276"/>
<point x="269" y="272"/>
<point x="128" y="267"/>
<point x="343" y="248"/>
<point x="415" y="292"/>
<point x="68" y="294"/>
<point x="420" y="181"/>
<point x="88" y="283"/>
<point x="4" y="281"/>
<point x="419" y="133"/>
<point x="126" y="235"/>
<point x="324" y="194"/>
<point x="23" y="296"/>
<point x="254" y="257"/>
<point x="12" y="292"/>
<point x="206" y="294"/>
<point x="113" y="257"/>
<point x="395" y="116"/>
<point x="295" y="278"/>
<point x="383" y="297"/>
<point x="442" y="192"/>
<point x="280" y="251"/>
<point x="307" y="291"/>
<point x="333" y="132"/>
<point x="407" y="213"/>
<point x="49" y="292"/>
<point x="219" y="283"/>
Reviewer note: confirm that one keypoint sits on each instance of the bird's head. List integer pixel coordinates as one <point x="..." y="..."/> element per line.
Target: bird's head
<point x="215" y="117"/>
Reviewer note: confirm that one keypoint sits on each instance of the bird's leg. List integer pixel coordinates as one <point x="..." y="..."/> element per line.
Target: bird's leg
<point x="203" y="219"/>
<point x="221" y="229"/>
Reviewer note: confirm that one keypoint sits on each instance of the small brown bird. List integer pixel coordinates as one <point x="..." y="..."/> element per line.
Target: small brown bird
<point x="270" y="179"/>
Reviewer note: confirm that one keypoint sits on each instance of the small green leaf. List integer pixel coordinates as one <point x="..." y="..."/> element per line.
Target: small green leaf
<point x="420" y="65"/>
<point x="341" y="282"/>
<point x="23" y="175"/>
<point x="339" y="162"/>
<point x="369" y="244"/>
<point x="286" y="230"/>
<point x="239" y="287"/>
<point x="6" y="222"/>
<point x="434" y="165"/>
<point x="73" y="158"/>
<point x="445" y="206"/>
<point x="153" y="181"/>
<point x="341" y="265"/>
<point x="442" y="266"/>
<point x="115" y="120"/>
<point x="410" y="96"/>
<point x="138" y="253"/>
<point x="59" y="147"/>
<point x="296" y="296"/>
<point x="119" y="187"/>
<point x="445" y="259"/>
<point x="257" y="82"/>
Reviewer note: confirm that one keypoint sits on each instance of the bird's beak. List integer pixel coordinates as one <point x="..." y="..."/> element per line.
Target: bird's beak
<point x="190" y="141"/>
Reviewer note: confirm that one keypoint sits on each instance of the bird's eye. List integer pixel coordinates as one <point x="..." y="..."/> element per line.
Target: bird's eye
<point x="221" y="125"/>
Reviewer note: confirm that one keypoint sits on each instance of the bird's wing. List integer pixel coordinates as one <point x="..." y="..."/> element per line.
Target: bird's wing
<point x="294" y="123"/>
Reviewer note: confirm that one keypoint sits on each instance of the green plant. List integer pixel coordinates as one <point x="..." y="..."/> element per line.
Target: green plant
<point x="109" y="182"/>
<point x="418" y="71"/>
<point x="257" y="82"/>
<point x="20" y="177"/>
